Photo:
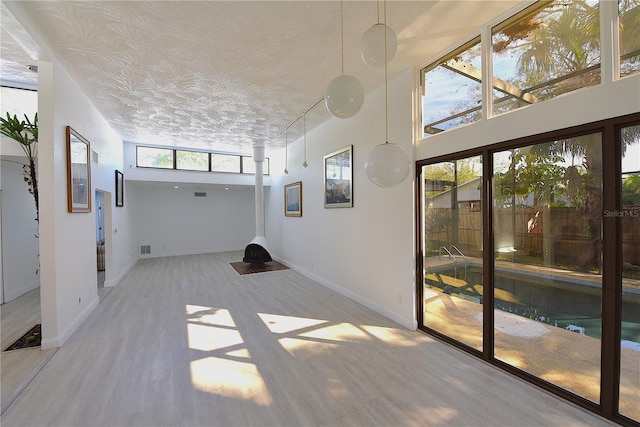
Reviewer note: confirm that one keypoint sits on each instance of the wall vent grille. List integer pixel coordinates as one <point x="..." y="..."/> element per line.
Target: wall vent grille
<point x="145" y="249"/>
<point x="197" y="194"/>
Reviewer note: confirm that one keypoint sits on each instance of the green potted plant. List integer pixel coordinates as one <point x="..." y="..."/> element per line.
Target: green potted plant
<point x="25" y="132"/>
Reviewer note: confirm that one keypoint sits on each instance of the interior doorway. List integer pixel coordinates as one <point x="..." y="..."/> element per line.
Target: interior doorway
<point x="103" y="240"/>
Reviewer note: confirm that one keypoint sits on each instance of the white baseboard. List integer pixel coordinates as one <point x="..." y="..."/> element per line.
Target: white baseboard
<point x="113" y="282"/>
<point x="184" y="253"/>
<point x="64" y="336"/>
<point x="408" y="323"/>
<point x="11" y="294"/>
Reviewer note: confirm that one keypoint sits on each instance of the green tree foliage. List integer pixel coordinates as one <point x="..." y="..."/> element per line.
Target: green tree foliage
<point x="535" y="172"/>
<point x="567" y="40"/>
<point x="629" y="12"/>
<point x="25" y="132"/>
<point x="462" y="171"/>
<point x="631" y="190"/>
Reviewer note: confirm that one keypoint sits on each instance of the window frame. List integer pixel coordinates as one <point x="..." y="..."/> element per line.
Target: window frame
<point x="609" y="64"/>
<point x="611" y="261"/>
<point x="240" y="157"/>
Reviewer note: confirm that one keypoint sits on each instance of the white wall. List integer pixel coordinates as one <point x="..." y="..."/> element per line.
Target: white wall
<point x="19" y="244"/>
<point x="365" y="252"/>
<point x="20" y="247"/>
<point x="174" y="222"/>
<point x="67" y="240"/>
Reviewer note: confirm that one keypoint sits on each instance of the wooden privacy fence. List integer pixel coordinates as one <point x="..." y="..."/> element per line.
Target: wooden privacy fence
<point x="565" y="239"/>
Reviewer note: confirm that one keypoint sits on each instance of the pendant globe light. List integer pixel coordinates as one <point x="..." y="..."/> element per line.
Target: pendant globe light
<point x="387" y="164"/>
<point x="375" y="40"/>
<point x="344" y="94"/>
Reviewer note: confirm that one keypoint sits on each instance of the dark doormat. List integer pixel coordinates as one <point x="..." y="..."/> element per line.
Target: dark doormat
<point x="28" y="340"/>
<point x="246" y="268"/>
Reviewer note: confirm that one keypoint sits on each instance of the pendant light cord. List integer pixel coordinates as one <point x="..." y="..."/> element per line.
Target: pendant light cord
<point x="286" y="158"/>
<point x="341" y="40"/>
<point x="386" y="100"/>
<point x="304" y="130"/>
<point x="378" y="10"/>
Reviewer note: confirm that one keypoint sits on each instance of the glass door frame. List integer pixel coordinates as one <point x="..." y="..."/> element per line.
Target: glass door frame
<point x="611" y="259"/>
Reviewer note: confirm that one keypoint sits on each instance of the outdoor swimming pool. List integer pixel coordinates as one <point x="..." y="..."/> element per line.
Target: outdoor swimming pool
<point x="570" y="303"/>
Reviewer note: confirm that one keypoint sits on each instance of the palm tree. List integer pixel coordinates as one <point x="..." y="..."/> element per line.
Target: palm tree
<point x="563" y="50"/>
<point x="560" y="52"/>
<point x="629" y="12"/>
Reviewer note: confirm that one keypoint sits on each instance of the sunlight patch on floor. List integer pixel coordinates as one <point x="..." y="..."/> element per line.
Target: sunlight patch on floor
<point x="305" y="347"/>
<point x="230" y="378"/>
<point x="231" y="374"/>
<point x="393" y="336"/>
<point x="340" y="332"/>
<point x="279" y="324"/>
<point x="208" y="338"/>
<point x="437" y="415"/>
<point x="210" y="316"/>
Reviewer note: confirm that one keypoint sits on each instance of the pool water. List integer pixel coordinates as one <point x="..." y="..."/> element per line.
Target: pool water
<point x="555" y="301"/>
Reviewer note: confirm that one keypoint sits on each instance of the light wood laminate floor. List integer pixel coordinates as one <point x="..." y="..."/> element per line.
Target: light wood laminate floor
<point x="17" y="367"/>
<point x="187" y="341"/>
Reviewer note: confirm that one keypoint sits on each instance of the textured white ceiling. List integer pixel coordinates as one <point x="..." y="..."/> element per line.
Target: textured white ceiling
<point x="223" y="75"/>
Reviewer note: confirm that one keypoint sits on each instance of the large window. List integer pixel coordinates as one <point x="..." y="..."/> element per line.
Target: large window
<point x="192" y="160"/>
<point x="18" y="102"/>
<point x="150" y="157"/>
<point x="452" y="90"/>
<point x="188" y="160"/>
<point x="545" y="53"/>
<point x="547" y="50"/>
<point x="225" y="163"/>
<point x="629" y="13"/>
<point x="543" y="278"/>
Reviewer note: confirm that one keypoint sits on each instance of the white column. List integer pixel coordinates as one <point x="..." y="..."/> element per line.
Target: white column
<point x="258" y="158"/>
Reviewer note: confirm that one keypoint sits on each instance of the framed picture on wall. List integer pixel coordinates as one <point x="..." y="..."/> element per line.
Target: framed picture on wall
<point x="78" y="172"/>
<point x="119" y="189"/>
<point x="338" y="178"/>
<point x="293" y="199"/>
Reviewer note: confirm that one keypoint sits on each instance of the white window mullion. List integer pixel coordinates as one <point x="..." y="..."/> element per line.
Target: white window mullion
<point x="609" y="41"/>
<point x="487" y="73"/>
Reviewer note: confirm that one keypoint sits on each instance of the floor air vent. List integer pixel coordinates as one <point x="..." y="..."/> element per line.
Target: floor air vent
<point x="145" y="249"/>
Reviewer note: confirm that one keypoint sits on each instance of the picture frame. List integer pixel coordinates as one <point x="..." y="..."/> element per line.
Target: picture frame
<point x="78" y="172"/>
<point x="338" y="178"/>
<point x="119" y="189"/>
<point x="293" y="199"/>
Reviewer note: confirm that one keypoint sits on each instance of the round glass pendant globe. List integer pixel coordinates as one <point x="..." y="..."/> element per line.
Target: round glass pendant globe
<point x="344" y="96"/>
<point x="387" y="165"/>
<point x="372" y="45"/>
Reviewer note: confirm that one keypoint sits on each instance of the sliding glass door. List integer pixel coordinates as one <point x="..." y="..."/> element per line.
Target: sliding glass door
<point x="529" y="256"/>
<point x="547" y="287"/>
<point x="452" y="247"/>
<point x="629" y="215"/>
